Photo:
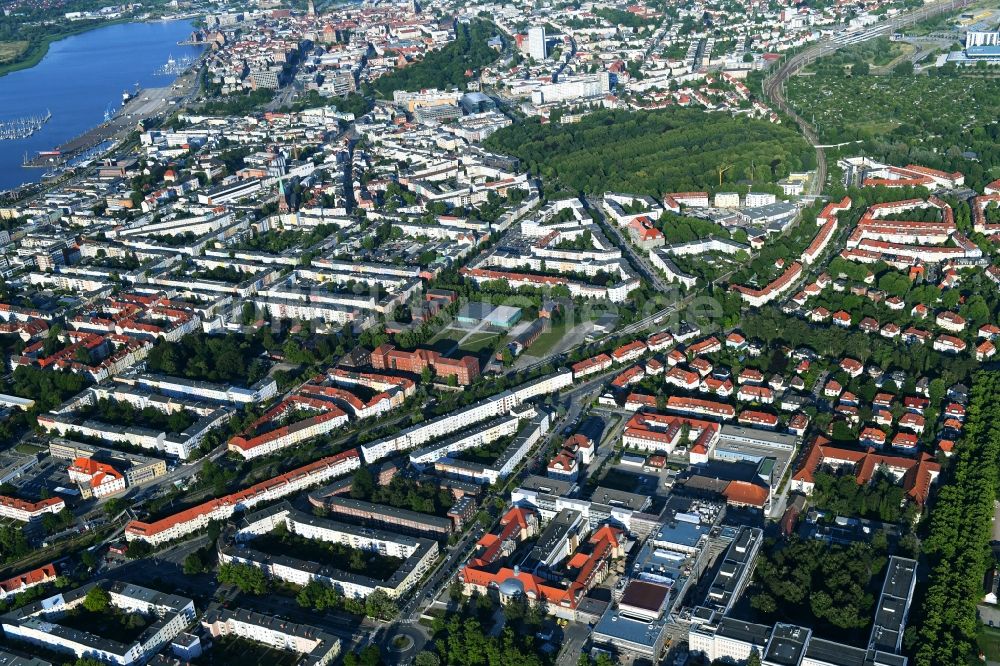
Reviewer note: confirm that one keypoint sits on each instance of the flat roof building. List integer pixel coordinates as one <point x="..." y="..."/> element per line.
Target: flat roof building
<point x="315" y="645"/>
<point x="718" y="637"/>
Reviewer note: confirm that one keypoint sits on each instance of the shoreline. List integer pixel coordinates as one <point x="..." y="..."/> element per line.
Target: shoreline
<point x="41" y="49"/>
<point x="16" y="191"/>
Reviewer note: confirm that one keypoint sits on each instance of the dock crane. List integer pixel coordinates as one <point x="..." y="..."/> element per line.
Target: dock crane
<point x="723" y="168"/>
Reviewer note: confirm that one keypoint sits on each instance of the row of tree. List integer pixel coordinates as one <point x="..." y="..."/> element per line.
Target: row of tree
<point x="320" y="597"/>
<point x="957" y="543"/>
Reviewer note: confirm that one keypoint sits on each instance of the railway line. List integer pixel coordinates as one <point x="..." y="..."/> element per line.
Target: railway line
<point x="774" y="85"/>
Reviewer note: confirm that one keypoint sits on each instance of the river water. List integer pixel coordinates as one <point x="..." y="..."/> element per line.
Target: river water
<point x="78" y="80"/>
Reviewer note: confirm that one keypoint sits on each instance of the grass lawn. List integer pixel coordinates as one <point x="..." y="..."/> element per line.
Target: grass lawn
<point x="478" y="342"/>
<point x="617" y="479"/>
<point x="30" y="449"/>
<point x="897" y="50"/>
<point x="445" y="340"/>
<point x="11" y="50"/>
<point x="247" y="653"/>
<point x="989" y="642"/>
<point x="546" y="341"/>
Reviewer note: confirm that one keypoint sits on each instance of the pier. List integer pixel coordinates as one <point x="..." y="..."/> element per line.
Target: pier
<point x="144" y="105"/>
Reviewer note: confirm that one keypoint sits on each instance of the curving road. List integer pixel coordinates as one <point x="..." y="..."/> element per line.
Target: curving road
<point x="774" y="85"/>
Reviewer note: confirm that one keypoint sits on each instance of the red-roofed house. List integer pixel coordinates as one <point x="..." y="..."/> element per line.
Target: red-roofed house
<point x="949" y="344"/>
<point x="23" y="511"/>
<point x="681" y="378"/>
<point x="798" y="423"/>
<point x="96" y="479"/>
<point x="709" y="345"/>
<point x="591" y="366"/>
<point x="29" y="579"/>
<point x="852" y="367"/>
<point x="760" y="394"/>
<point x="746" y="494"/>
<point x="629" y="352"/>
<point x="950" y="321"/>
<point x="915" y="474"/>
<point x="755" y="418"/>
<point x="905" y="442"/>
<point x="911" y="421"/>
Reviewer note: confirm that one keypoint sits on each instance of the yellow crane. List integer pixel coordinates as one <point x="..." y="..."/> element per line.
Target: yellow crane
<point x="723" y="168"/>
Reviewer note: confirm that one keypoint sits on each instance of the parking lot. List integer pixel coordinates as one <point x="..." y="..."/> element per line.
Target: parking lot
<point x="48" y="475"/>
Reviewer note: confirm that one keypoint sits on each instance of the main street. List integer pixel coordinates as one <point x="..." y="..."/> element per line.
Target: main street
<point x="427" y="592"/>
<point x="638" y="261"/>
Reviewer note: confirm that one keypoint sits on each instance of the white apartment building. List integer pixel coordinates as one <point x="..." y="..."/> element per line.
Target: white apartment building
<point x="37" y="623"/>
<point x="317" y="647"/>
<point x="508" y="461"/>
<point x="661" y="260"/>
<point x="180" y="387"/>
<point x="982" y="38"/>
<point x="20" y="510"/>
<point x="469" y="439"/>
<point x="177" y="445"/>
<point x="726" y="200"/>
<point x="573" y="88"/>
<point x="755" y="199"/>
<point x="537" y="48"/>
<point x="449" y="424"/>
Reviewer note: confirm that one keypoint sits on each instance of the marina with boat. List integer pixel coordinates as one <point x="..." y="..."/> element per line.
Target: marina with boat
<point x="88" y="82"/>
<point x="175" y="66"/>
<point x="23" y="127"/>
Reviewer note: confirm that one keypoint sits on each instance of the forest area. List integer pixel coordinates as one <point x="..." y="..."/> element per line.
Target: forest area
<point x="445" y="68"/>
<point x="656" y="152"/>
<point x="834" y="586"/>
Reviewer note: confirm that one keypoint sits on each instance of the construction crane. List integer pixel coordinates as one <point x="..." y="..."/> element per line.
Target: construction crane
<point x="723" y="168"/>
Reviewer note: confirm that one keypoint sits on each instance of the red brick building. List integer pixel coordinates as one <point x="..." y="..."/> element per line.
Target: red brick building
<point x="387" y="357"/>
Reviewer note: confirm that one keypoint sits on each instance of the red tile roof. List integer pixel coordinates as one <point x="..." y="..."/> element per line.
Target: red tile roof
<point x="34" y="577"/>
<point x="744" y="493"/>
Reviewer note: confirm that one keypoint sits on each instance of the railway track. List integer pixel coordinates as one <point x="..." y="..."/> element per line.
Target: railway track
<point x="774" y="85"/>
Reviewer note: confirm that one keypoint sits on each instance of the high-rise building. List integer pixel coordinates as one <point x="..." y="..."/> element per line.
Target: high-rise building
<point x="536" y="43"/>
